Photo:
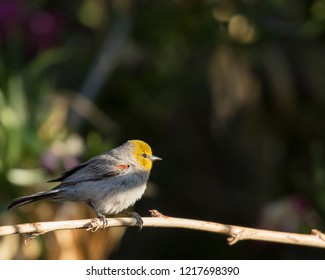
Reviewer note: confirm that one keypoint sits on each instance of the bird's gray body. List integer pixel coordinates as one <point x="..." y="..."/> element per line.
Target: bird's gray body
<point x="109" y="183"/>
<point x="108" y="196"/>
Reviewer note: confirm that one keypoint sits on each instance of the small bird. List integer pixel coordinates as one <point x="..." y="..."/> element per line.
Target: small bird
<point x="108" y="183"/>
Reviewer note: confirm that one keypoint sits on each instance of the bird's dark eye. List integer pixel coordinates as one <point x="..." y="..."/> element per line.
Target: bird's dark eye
<point x="144" y="155"/>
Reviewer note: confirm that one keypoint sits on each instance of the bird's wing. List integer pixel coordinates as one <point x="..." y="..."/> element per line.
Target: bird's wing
<point x="95" y="169"/>
<point x="68" y="173"/>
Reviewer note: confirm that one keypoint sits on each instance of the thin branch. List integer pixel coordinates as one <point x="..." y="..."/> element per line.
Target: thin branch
<point x="234" y="233"/>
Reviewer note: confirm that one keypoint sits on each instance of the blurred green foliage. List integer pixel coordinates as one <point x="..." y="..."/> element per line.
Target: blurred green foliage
<point x="229" y="93"/>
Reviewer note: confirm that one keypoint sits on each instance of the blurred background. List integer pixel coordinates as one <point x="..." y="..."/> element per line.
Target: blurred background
<point x="229" y="93"/>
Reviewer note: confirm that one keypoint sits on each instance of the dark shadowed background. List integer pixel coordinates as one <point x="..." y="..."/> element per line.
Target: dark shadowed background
<point x="229" y="93"/>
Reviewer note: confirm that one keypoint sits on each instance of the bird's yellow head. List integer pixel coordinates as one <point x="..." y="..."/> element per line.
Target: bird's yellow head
<point x="143" y="154"/>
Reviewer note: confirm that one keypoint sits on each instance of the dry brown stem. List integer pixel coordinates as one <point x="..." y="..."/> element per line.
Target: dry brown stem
<point x="234" y="233"/>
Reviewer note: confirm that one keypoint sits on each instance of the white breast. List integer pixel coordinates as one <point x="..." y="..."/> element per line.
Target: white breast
<point x="116" y="202"/>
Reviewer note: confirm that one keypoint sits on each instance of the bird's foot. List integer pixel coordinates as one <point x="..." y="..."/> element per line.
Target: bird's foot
<point x="94" y="225"/>
<point x="137" y="217"/>
<point x="98" y="223"/>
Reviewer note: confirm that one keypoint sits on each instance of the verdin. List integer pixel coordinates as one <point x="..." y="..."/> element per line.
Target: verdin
<point x="109" y="183"/>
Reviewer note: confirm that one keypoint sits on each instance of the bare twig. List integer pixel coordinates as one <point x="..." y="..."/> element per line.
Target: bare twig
<point x="234" y="233"/>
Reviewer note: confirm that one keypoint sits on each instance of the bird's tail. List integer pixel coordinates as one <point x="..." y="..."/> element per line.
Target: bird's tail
<point x="51" y="194"/>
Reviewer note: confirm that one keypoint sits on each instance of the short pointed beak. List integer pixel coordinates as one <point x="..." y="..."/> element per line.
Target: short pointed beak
<point x="154" y="158"/>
